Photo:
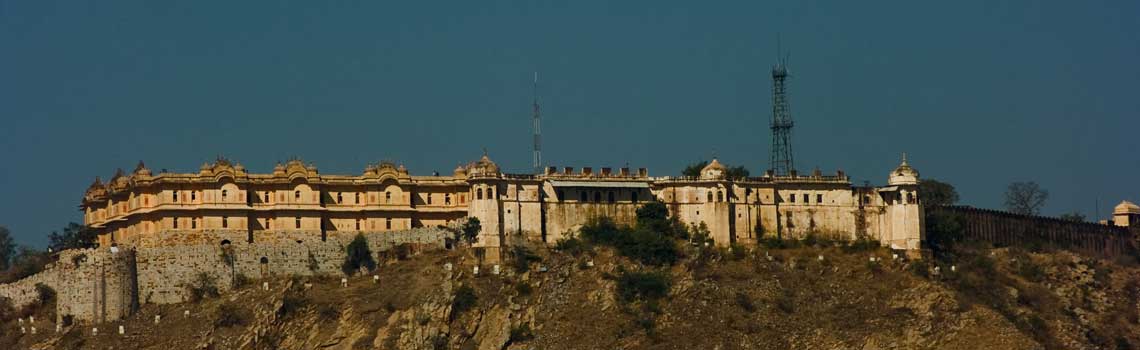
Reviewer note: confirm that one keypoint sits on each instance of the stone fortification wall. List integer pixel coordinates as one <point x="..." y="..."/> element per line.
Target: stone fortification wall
<point x="1005" y="229"/>
<point x="90" y="285"/>
<point x="165" y="272"/>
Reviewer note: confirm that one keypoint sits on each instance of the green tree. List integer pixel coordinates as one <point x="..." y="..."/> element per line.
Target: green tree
<point x="74" y="236"/>
<point x="470" y="230"/>
<point x="937" y="193"/>
<point x="737" y="172"/>
<point x="694" y="169"/>
<point x="357" y="255"/>
<point x="7" y="248"/>
<point x="1025" y="198"/>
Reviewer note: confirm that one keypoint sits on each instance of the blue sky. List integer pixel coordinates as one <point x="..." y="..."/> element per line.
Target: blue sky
<point x="978" y="93"/>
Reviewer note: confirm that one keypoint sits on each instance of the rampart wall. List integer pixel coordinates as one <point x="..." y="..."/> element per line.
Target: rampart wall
<point x="1005" y="229"/>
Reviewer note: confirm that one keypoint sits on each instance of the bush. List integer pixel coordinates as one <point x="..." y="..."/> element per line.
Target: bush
<point x="204" y="286"/>
<point x="522" y="258"/>
<point x="642" y="286"/>
<point x="291" y="303"/>
<point x="358" y="255"/>
<point x="521" y="333"/>
<point x="7" y="311"/>
<point x="745" y="302"/>
<point x="241" y="280"/>
<point x="45" y="293"/>
<point x="736" y="251"/>
<point x="470" y="231"/>
<point x="465" y="299"/>
<point x="640" y="244"/>
<point x="572" y="245"/>
<point x="861" y="244"/>
<point x="327" y="312"/>
<point x="230" y="315"/>
<point x="523" y="288"/>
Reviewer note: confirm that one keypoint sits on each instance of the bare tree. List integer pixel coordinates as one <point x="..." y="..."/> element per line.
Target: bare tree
<point x="1025" y="198"/>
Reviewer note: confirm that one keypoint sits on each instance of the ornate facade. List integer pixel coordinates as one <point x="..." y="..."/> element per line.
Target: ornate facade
<point x="223" y="202"/>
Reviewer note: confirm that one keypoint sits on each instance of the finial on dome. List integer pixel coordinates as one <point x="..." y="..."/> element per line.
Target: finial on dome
<point x="904" y="158"/>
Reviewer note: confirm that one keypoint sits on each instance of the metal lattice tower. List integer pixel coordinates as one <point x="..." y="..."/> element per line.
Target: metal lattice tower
<point x="537" y="131"/>
<point x="781" y="158"/>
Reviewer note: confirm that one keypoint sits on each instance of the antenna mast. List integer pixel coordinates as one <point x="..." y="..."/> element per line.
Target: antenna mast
<point x="537" y="131"/>
<point x="781" y="158"/>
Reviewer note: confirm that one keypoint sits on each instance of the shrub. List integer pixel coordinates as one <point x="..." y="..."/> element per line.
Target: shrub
<point x="327" y="312"/>
<point x="640" y="244"/>
<point x="358" y="255"/>
<point x="291" y="303"/>
<point x="523" y="288"/>
<point x="470" y="230"/>
<point x="44" y="293"/>
<point x="1031" y="271"/>
<point x="314" y="265"/>
<point x="861" y="244"/>
<point x="230" y="315"/>
<point x="465" y="299"/>
<point x="7" y="311"/>
<point x="521" y="333"/>
<point x="737" y="251"/>
<point x="745" y="302"/>
<point x="204" y="286"/>
<point x="643" y="286"/>
<point x="572" y="245"/>
<point x="522" y="258"/>
<point x="699" y="234"/>
<point x="785" y="301"/>
<point x="241" y="280"/>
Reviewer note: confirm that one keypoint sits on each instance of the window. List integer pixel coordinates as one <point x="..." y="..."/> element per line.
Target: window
<point x="266" y="196"/>
<point x="225" y="222"/>
<point x="490" y="193"/>
<point x="176" y="223"/>
<point x="193" y="195"/>
<point x="478" y="193"/>
<point x="388" y="224"/>
<point x="387" y="197"/>
<point x="805" y="198"/>
<point x="583" y="196"/>
<point x="298" y="222"/>
<point x="792" y="198"/>
<point x="910" y="198"/>
<point x="710" y="196"/>
<point x="597" y="197"/>
<point x="358" y="224"/>
<point x="719" y="196"/>
<point x="356" y="198"/>
<point x="338" y="198"/>
<point x="193" y="223"/>
<point x="819" y="198"/>
<point x="175" y="197"/>
<point x="224" y="195"/>
<point x="297" y="195"/>
<point x="634" y="198"/>
<point x="428" y="198"/>
<point x="447" y="199"/>
<point x="610" y="196"/>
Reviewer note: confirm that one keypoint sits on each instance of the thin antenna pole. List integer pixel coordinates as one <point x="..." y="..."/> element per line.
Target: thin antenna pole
<point x="537" y="129"/>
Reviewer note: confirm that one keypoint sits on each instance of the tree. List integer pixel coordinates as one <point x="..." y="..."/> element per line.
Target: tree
<point x="1074" y="217"/>
<point x="7" y="248"/>
<point x="470" y="230"/>
<point x="1025" y="198"/>
<point x="74" y="236"/>
<point x="694" y="170"/>
<point x="937" y="193"/>
<point x="357" y="255"/>
<point x="737" y="172"/>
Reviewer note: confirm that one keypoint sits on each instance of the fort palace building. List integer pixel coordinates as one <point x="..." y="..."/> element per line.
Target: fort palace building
<point x="224" y="203"/>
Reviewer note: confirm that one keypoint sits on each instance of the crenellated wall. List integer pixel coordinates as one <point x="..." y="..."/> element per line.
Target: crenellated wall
<point x="1005" y="229"/>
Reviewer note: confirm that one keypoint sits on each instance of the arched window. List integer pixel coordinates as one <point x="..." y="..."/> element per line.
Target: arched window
<point x="339" y="199"/>
<point x="225" y="222"/>
<point x="356" y="198"/>
<point x="298" y="222"/>
<point x="490" y="193"/>
<point x="387" y="197"/>
<point x="297" y="195"/>
<point x="582" y="196"/>
<point x="478" y="193"/>
<point x="224" y="195"/>
<point x="610" y="196"/>
<point x="710" y="196"/>
<point x="719" y="196"/>
<point x="264" y="260"/>
<point x="910" y="198"/>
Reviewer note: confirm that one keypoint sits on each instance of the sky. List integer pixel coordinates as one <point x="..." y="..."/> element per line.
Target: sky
<point x="976" y="93"/>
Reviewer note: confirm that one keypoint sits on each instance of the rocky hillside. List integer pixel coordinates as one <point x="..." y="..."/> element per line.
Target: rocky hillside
<point x="816" y="297"/>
